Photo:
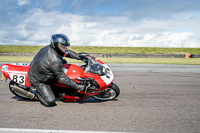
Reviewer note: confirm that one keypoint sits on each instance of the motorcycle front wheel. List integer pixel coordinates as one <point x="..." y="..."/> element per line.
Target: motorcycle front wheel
<point x="108" y="95"/>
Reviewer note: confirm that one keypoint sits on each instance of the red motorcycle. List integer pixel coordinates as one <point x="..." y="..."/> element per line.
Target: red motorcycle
<point x="97" y="76"/>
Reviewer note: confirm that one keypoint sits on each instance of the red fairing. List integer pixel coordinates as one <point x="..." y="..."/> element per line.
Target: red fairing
<point x="97" y="78"/>
<point x="100" y="61"/>
<point x="14" y="68"/>
<point x="71" y="99"/>
<point x="72" y="71"/>
<point x="20" y="72"/>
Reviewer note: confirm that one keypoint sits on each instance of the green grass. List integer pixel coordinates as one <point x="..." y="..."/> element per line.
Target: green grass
<point x="180" y="61"/>
<point x="20" y="49"/>
<point x="16" y="59"/>
<point x="88" y="49"/>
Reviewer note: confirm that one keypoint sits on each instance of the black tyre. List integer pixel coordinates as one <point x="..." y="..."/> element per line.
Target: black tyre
<point x="12" y="83"/>
<point x="109" y="95"/>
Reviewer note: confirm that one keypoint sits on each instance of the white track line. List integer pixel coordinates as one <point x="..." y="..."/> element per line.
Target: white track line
<point x="16" y="130"/>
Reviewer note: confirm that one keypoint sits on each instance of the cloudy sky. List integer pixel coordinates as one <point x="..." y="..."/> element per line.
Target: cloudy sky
<point x="126" y="23"/>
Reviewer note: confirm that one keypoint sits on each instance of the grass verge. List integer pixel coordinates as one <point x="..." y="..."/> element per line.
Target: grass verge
<point x="179" y="61"/>
<point x="88" y="49"/>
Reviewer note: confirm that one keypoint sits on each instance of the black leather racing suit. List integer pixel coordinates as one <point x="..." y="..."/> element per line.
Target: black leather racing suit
<point x="45" y="67"/>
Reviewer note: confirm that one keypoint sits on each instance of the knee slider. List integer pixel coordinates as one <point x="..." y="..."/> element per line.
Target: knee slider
<point x="50" y="101"/>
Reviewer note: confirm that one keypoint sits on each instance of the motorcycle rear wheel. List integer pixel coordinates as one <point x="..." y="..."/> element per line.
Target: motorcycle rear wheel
<point x="14" y="92"/>
<point x="108" y="95"/>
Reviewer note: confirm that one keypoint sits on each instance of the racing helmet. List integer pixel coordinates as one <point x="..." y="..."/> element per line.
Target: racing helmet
<point x="60" y="43"/>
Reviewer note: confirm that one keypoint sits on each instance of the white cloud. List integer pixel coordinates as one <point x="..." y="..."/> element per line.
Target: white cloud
<point x="21" y="31"/>
<point x="166" y="39"/>
<point x="23" y="2"/>
<point x="39" y="25"/>
<point x="41" y="18"/>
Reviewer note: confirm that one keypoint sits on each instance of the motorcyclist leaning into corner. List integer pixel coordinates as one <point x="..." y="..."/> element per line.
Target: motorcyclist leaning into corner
<point x="47" y="66"/>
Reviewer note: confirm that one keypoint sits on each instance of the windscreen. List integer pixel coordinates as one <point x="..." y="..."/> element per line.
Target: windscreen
<point x="95" y="67"/>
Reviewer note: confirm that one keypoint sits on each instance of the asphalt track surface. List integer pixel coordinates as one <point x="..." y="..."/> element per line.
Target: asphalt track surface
<point x="154" y="98"/>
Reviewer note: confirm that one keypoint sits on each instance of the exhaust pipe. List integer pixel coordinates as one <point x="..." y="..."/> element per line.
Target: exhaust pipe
<point x="24" y="92"/>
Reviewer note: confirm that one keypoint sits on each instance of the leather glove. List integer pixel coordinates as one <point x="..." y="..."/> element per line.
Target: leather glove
<point x="83" y="58"/>
<point x="81" y="88"/>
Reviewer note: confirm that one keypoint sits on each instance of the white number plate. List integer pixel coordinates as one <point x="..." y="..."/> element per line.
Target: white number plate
<point x="20" y="79"/>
